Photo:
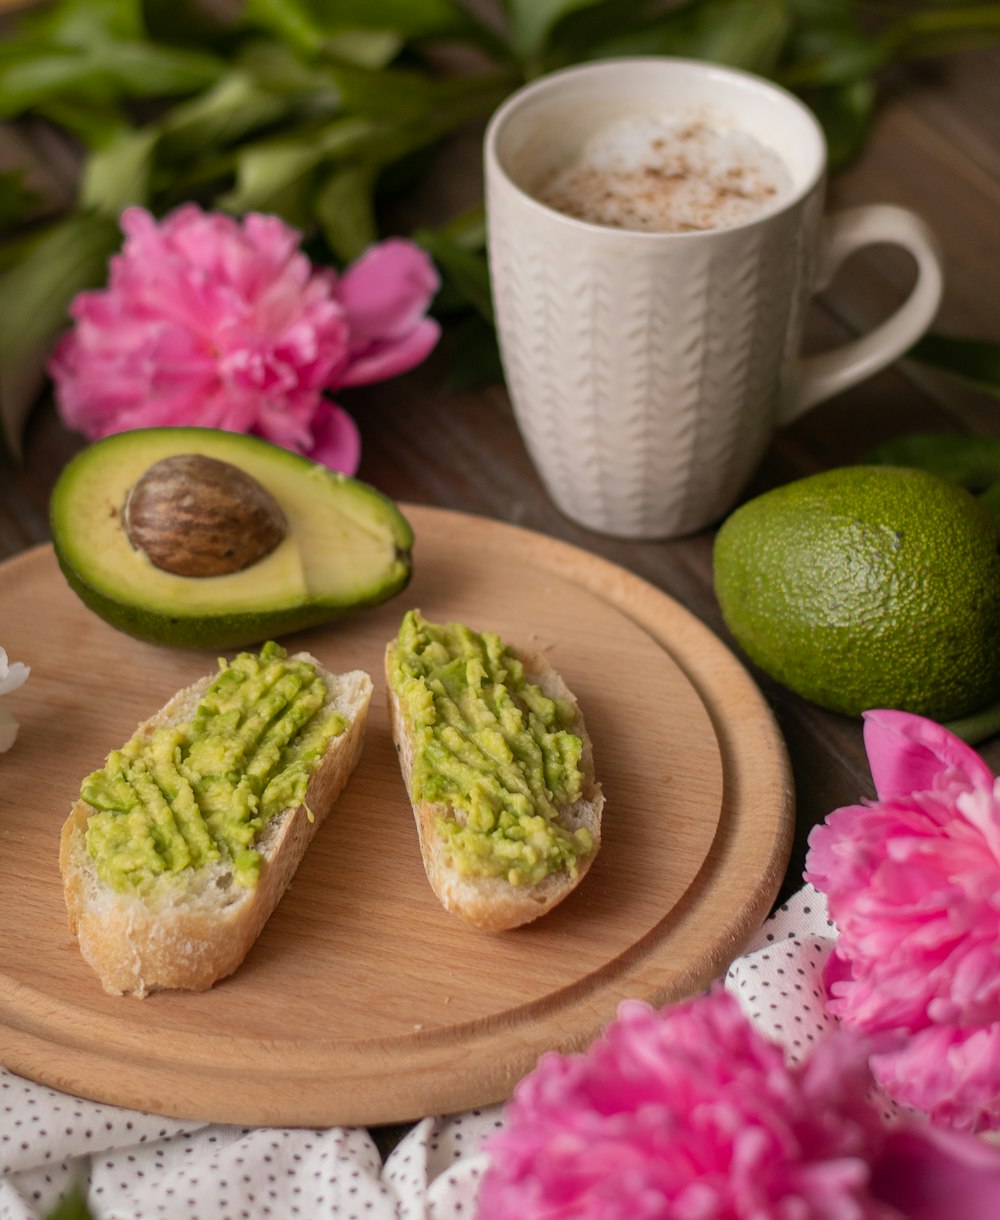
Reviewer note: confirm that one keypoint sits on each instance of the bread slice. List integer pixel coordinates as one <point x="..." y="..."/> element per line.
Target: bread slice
<point x="493" y="903"/>
<point x="199" y="926"/>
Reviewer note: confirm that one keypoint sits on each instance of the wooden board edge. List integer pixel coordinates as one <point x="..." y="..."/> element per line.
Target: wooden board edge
<point x="758" y="788"/>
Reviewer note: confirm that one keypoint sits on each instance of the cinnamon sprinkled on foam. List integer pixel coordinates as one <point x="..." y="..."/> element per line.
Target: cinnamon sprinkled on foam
<point x="668" y="175"/>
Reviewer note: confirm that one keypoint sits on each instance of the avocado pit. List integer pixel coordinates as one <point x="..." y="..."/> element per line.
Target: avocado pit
<point x="345" y="545"/>
<point x="197" y="516"/>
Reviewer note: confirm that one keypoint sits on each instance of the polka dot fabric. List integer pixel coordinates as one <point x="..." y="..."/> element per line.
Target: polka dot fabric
<point x="140" y="1167"/>
<point x="779" y="980"/>
<point x="136" y="1166"/>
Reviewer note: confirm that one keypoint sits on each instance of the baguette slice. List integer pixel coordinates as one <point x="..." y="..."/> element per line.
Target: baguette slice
<point x="493" y="903"/>
<point x="193" y="932"/>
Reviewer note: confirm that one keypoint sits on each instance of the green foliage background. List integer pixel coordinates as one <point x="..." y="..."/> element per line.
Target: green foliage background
<point x="327" y="112"/>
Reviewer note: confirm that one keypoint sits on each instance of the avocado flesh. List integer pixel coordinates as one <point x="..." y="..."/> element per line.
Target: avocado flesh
<point x="347" y="545"/>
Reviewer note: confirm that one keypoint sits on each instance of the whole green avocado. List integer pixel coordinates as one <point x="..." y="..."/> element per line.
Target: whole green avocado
<point x="867" y="587"/>
<point x="202" y="538"/>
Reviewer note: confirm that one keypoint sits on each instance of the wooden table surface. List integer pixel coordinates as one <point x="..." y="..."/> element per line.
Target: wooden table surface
<point x="936" y="149"/>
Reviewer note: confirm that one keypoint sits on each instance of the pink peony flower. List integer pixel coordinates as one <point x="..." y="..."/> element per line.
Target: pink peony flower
<point x="690" y="1114"/>
<point x="913" y="885"/>
<point x="222" y="323"/>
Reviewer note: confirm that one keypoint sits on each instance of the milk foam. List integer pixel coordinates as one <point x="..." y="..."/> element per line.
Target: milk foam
<point x="668" y="174"/>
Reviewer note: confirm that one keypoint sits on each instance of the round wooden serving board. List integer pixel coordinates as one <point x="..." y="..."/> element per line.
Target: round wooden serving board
<point x="363" y="1001"/>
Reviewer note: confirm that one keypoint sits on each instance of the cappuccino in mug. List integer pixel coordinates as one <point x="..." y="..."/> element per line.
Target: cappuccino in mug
<point x="656" y="232"/>
<point x="668" y="174"/>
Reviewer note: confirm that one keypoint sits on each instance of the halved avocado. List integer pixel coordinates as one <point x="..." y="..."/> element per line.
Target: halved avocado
<point x="346" y="545"/>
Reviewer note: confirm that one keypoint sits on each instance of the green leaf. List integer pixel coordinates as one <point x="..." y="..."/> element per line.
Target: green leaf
<point x="385" y="92"/>
<point x="971" y="461"/>
<point x="82" y="23"/>
<point x="309" y="26"/>
<point x="233" y="108"/>
<point x="365" y="48"/>
<point x="17" y="200"/>
<point x="979" y="726"/>
<point x="93" y="122"/>
<point x="747" y="34"/>
<point x="276" y="175"/>
<point x="62" y="47"/>
<point x="145" y="70"/>
<point x="468" y="228"/>
<point x="408" y="96"/>
<point x="466" y="270"/>
<point x="344" y="207"/>
<point x="72" y="1207"/>
<point x="474" y="356"/>
<point x="845" y="113"/>
<point x="209" y="179"/>
<point x="118" y="175"/>
<point x="272" y="177"/>
<point x="278" y="69"/>
<point x="944" y="28"/>
<point x="976" y="361"/>
<point x="582" y="34"/>
<point x="290" y="20"/>
<point x="832" y="64"/>
<point x="121" y="69"/>
<point x="408" y="18"/>
<point x="15" y="249"/>
<point x="28" y="81"/>
<point x="990" y="500"/>
<point x="34" y="295"/>
<point x="190" y="23"/>
<point x="830" y="44"/>
<point x="532" y="22"/>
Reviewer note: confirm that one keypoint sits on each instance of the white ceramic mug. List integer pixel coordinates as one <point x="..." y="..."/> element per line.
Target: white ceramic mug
<point x="648" y="370"/>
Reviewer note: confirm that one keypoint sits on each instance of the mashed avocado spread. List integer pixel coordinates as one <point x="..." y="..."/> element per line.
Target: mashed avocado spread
<point x="492" y="745"/>
<point x="191" y="794"/>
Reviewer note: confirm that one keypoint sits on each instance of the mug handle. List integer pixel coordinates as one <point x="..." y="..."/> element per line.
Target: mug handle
<point x="828" y="373"/>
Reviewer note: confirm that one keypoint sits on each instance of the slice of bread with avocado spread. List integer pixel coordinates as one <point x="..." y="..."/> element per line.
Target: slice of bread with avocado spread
<point x="499" y="769"/>
<point x="181" y="846"/>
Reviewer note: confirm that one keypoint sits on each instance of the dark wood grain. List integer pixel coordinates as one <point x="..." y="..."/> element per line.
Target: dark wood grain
<point x="935" y="148"/>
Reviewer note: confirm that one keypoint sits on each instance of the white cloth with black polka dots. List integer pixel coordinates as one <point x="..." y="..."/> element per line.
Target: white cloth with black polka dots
<point x="132" y="1166"/>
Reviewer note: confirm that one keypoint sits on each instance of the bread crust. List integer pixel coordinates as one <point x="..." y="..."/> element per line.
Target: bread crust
<point x="198" y="926"/>
<point x="492" y="903"/>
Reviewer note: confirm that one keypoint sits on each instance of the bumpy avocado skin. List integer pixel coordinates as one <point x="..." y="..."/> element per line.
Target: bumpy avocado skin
<point x="867" y="587"/>
<point x="74" y="511"/>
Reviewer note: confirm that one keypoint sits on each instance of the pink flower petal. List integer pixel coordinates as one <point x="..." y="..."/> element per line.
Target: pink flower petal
<point x="948" y="1073"/>
<point x="912" y="882"/>
<point x="221" y="322"/>
<point x="336" y="441"/>
<point x="687" y="1113"/>
<point x="907" y="753"/>
<point x="383" y="360"/>
<point x="690" y="1113"/>
<point x="929" y="1174"/>
<point x="387" y="290"/>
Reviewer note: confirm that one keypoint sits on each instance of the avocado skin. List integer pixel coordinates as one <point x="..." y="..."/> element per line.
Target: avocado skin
<point x="867" y="587"/>
<point x="216" y="627"/>
<point x="221" y="630"/>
